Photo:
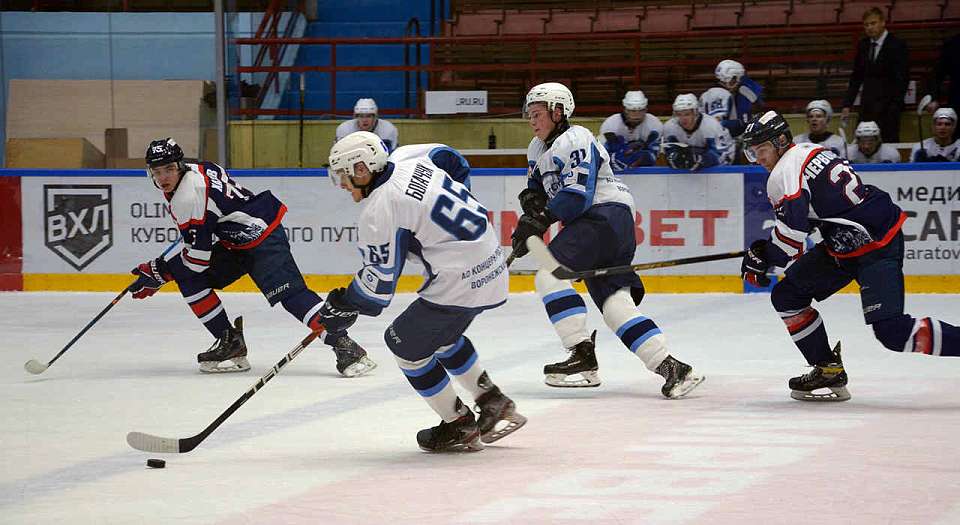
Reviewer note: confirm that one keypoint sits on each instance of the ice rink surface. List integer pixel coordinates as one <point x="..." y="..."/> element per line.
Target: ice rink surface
<point x="313" y="447"/>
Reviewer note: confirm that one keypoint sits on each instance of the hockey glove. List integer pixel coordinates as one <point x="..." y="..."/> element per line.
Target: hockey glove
<point x="680" y="158"/>
<point x="337" y="314"/>
<point x="754" y="267"/>
<point x="151" y="275"/>
<point x="533" y="201"/>
<point x="529" y="226"/>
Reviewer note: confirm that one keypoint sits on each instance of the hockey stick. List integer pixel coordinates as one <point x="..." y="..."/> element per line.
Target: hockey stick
<point x="540" y="251"/>
<point x="922" y="105"/>
<point x="151" y="443"/>
<point x="36" y="367"/>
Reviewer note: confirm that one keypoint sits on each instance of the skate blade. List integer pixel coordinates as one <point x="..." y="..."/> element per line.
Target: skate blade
<point x="578" y="380"/>
<point x="472" y="445"/>
<point x="825" y="395"/>
<point x="363" y="366"/>
<point x="513" y="422"/>
<point x="239" y="364"/>
<point x="684" y="387"/>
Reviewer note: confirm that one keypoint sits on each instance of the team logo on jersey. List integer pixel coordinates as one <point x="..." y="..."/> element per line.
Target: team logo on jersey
<point x="78" y="221"/>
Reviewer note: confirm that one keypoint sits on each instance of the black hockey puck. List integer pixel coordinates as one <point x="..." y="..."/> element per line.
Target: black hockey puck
<point x="156" y="463"/>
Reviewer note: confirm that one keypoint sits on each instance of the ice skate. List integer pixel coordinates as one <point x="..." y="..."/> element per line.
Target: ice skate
<point x="227" y="354"/>
<point x="460" y="435"/>
<point x="498" y="415"/>
<point x="680" y="378"/>
<point x="826" y="382"/>
<point x="352" y="360"/>
<point x="579" y="369"/>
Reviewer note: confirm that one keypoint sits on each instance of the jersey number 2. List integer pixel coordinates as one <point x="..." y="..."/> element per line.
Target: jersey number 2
<point x="852" y="188"/>
<point x="463" y="217"/>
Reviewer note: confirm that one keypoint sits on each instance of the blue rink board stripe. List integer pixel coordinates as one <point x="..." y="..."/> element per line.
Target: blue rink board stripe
<point x="475" y="172"/>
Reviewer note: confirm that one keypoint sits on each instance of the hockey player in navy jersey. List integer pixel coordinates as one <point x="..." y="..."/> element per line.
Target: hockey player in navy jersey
<point x="570" y="181"/>
<point x="632" y="137"/>
<point x="811" y="187"/>
<point x="416" y="211"/>
<point x="736" y="101"/>
<point x="228" y="232"/>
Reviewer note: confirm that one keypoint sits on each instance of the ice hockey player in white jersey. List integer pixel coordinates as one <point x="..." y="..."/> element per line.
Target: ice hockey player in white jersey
<point x="442" y="156"/>
<point x="693" y="140"/>
<point x="819" y="113"/>
<point x="632" y="137"/>
<point x="735" y="100"/>
<point x="940" y="147"/>
<point x="365" y="119"/>
<point x="869" y="148"/>
<point x="570" y="181"/>
<point x="414" y="211"/>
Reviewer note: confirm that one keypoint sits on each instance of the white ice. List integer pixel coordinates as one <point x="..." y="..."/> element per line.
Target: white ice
<point x="313" y="447"/>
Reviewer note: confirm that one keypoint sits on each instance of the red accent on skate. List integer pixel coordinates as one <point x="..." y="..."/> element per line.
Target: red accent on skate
<point x="923" y="339"/>
<point x="800" y="321"/>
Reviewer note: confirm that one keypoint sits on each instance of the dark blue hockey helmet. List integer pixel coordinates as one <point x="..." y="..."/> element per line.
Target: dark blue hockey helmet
<point x="770" y="127"/>
<point x="162" y="152"/>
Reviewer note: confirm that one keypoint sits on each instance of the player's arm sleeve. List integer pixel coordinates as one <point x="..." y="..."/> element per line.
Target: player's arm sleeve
<point x="918" y="154"/>
<point x="392" y="139"/>
<point x="383" y="251"/>
<point x="452" y="162"/>
<point x="710" y="154"/>
<point x="791" y="229"/>
<point x="579" y="179"/>
<point x="751" y="90"/>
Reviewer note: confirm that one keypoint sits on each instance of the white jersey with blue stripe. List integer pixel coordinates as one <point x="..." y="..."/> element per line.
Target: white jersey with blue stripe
<point x="442" y="156"/>
<point x="831" y="141"/>
<point x="575" y="173"/>
<point x="383" y="128"/>
<point x="418" y="213"/>
<point x="711" y="139"/>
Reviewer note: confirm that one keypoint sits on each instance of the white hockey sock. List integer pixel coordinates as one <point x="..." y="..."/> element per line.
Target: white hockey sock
<point x="461" y="361"/>
<point x="638" y="333"/>
<point x="431" y="381"/>
<point x="564" y="306"/>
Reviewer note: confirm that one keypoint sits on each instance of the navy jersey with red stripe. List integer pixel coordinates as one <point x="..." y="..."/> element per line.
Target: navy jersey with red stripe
<point x="209" y="207"/>
<point x="811" y="187"/>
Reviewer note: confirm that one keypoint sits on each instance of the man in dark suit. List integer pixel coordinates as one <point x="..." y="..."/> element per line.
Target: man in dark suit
<point x="881" y="68"/>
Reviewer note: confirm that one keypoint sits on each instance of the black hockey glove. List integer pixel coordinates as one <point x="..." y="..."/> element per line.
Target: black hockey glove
<point x="337" y="314"/>
<point x="533" y="201"/>
<point x="681" y="158"/>
<point x="754" y="267"/>
<point x="151" y="275"/>
<point x="529" y="226"/>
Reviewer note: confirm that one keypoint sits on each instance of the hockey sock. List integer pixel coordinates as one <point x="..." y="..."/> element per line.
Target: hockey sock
<point x="925" y="336"/>
<point x="207" y="307"/>
<point x="431" y="381"/>
<point x="305" y="305"/>
<point x="565" y="308"/>
<point x="808" y="333"/>
<point x="460" y="360"/>
<point x="638" y="333"/>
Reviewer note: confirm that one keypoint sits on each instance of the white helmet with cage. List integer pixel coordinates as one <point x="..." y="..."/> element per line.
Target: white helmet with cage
<point x="686" y="101"/>
<point x="867" y="128"/>
<point x="820" y="105"/>
<point x="634" y="101"/>
<point x="365" y="106"/>
<point x="729" y="71"/>
<point x="551" y="93"/>
<point x="359" y="146"/>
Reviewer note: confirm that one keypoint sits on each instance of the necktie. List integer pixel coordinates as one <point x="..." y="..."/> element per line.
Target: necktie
<point x="873" y="51"/>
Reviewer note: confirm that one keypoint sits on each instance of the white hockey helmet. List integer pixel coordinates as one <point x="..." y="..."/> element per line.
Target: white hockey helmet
<point x="821" y="105"/>
<point x="729" y="70"/>
<point x="867" y="128"/>
<point x="359" y="146"/>
<point x="634" y="101"/>
<point x="686" y="101"/>
<point x="947" y="113"/>
<point x="551" y="93"/>
<point x="365" y="106"/>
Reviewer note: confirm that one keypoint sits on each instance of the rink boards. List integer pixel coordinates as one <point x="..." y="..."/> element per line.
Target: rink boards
<point x="85" y="229"/>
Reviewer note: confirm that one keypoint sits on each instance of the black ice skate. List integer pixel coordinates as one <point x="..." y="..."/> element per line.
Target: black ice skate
<point x="680" y="378"/>
<point x="582" y="361"/>
<point x="826" y="382"/>
<point x="498" y="413"/>
<point x="227" y="354"/>
<point x="352" y="360"/>
<point x="460" y="435"/>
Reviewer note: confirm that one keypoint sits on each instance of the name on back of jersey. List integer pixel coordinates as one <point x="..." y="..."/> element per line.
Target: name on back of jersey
<point x="419" y="182"/>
